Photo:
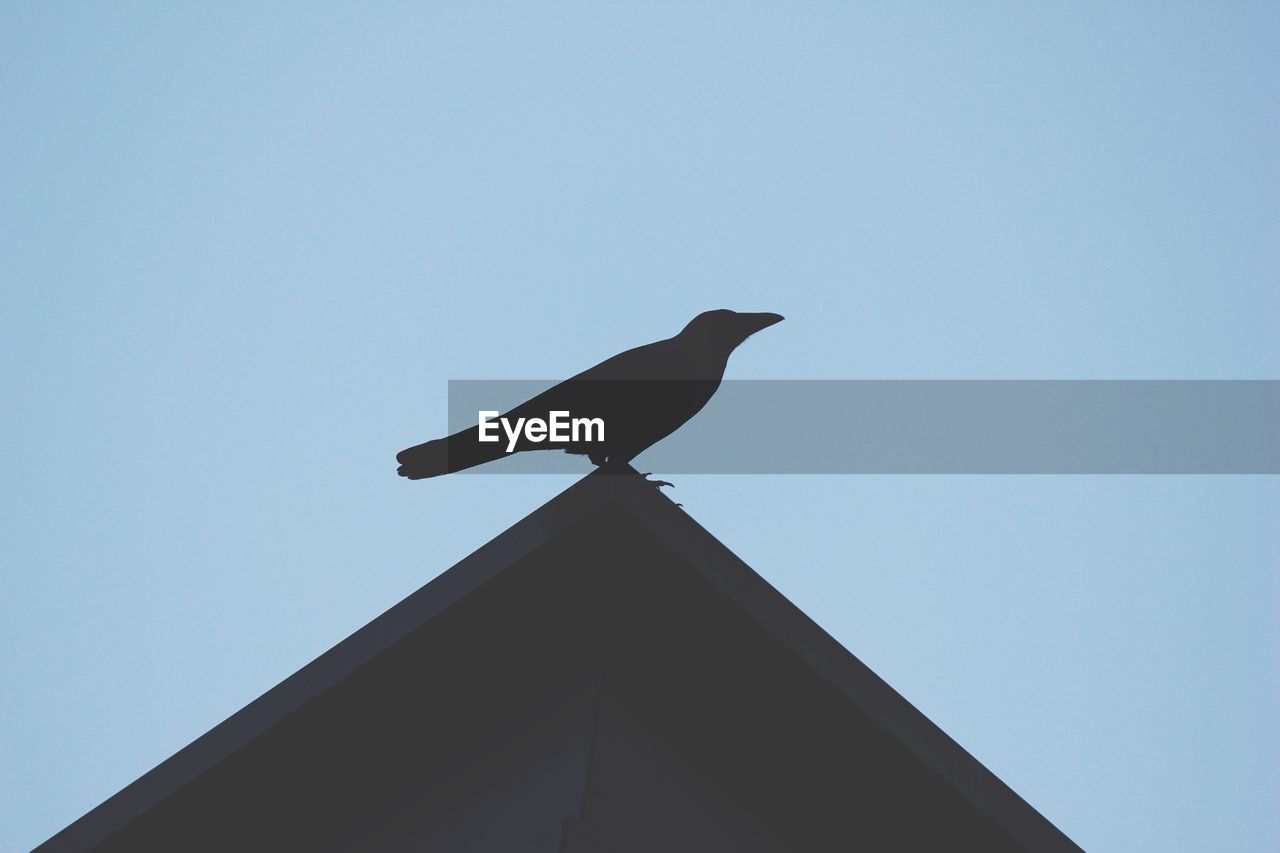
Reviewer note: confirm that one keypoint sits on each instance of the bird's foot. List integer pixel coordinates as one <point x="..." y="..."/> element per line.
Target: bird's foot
<point x="657" y="484"/>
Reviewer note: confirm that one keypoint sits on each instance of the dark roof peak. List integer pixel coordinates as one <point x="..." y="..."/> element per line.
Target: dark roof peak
<point x="606" y="606"/>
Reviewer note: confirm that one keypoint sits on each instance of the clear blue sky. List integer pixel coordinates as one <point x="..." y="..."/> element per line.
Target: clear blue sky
<point x="243" y="247"/>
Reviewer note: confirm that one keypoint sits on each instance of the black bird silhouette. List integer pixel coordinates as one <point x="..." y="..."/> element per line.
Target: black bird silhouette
<point x="642" y="395"/>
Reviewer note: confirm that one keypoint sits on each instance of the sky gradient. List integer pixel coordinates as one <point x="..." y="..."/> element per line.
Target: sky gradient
<point x="243" y="247"/>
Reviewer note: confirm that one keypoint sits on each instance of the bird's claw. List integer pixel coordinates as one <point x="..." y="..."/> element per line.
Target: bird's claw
<point x="657" y="484"/>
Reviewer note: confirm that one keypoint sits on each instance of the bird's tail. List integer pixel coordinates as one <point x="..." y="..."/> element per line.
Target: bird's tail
<point x="446" y="455"/>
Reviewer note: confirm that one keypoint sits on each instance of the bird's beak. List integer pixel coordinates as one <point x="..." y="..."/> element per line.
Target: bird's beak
<point x="752" y="323"/>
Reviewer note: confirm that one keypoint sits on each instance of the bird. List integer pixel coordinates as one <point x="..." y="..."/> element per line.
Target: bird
<point x="641" y="395"/>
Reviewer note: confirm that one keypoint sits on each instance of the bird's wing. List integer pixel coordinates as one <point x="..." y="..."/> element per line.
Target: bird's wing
<point x="638" y="394"/>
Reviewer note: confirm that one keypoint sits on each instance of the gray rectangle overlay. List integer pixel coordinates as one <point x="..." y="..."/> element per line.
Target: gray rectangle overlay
<point x="939" y="427"/>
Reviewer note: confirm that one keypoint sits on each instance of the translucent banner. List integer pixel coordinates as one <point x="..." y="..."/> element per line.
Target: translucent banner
<point x="881" y="426"/>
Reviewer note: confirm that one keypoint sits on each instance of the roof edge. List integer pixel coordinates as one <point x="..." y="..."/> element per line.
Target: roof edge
<point x="839" y="667"/>
<point x="335" y="664"/>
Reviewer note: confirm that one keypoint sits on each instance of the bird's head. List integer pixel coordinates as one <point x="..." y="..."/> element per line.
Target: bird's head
<point x="725" y="329"/>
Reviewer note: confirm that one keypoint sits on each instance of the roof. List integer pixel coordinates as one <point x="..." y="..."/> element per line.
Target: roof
<point x="758" y="671"/>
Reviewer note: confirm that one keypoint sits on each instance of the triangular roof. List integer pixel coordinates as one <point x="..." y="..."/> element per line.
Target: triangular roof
<point x="623" y="517"/>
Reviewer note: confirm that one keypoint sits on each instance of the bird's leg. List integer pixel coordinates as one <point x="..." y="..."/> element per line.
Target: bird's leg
<point x="657" y="484"/>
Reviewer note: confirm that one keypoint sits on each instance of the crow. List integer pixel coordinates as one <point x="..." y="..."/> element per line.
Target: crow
<point x="642" y="396"/>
